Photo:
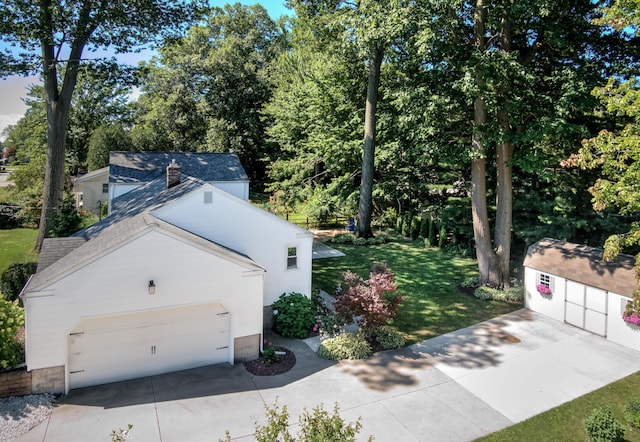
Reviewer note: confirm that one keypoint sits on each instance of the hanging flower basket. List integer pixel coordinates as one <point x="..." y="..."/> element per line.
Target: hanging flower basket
<point x="631" y="313"/>
<point x="544" y="290"/>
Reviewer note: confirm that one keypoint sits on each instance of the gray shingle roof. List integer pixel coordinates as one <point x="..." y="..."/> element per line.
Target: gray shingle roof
<point x="583" y="264"/>
<point x="142" y="167"/>
<point x="55" y="248"/>
<point x="144" y="198"/>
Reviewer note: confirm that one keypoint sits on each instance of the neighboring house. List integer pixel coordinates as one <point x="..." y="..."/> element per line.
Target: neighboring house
<point x="179" y="276"/>
<point x="92" y="190"/>
<point x="129" y="170"/>
<point x="585" y="290"/>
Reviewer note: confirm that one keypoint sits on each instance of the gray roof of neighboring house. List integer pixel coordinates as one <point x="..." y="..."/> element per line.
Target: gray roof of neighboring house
<point x="117" y="234"/>
<point x="142" y="167"/>
<point x="144" y="198"/>
<point x="94" y="173"/>
<point x="583" y="264"/>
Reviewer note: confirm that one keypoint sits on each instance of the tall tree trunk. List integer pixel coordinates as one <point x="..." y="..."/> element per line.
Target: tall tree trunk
<point x="487" y="259"/>
<point x="504" y="194"/>
<point x="365" y="205"/>
<point x="58" y="104"/>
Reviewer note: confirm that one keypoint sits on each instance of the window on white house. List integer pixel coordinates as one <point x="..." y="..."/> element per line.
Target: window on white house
<point x="545" y="280"/>
<point x="105" y="188"/>
<point x="292" y="258"/>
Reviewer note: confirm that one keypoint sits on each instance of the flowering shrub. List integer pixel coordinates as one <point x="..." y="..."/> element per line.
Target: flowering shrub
<point x="631" y="312"/>
<point x="373" y="300"/>
<point x="293" y="315"/>
<point x="11" y="326"/>
<point x="269" y="355"/>
<point x="344" y="346"/>
<point x="544" y="290"/>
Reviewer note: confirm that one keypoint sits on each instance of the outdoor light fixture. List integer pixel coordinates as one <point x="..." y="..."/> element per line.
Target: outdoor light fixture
<point x="152" y="287"/>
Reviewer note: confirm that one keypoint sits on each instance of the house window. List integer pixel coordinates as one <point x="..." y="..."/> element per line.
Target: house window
<point x="292" y="258"/>
<point x="545" y="280"/>
<point x="105" y="187"/>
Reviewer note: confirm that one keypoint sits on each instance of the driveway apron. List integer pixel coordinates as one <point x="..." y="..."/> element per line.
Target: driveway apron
<point x="455" y="387"/>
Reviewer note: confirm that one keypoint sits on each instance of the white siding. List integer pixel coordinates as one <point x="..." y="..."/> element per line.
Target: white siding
<point x="617" y="329"/>
<point x="117" y="283"/>
<point x="552" y="306"/>
<point x="250" y="230"/>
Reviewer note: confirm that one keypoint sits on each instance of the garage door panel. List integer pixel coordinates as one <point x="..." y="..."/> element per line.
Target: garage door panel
<point x="574" y="314"/>
<point x="141" y="344"/>
<point x="595" y="322"/>
<point x="575" y="293"/>
<point x="596" y="300"/>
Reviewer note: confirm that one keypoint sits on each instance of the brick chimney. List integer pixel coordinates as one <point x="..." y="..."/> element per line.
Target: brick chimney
<point x="173" y="174"/>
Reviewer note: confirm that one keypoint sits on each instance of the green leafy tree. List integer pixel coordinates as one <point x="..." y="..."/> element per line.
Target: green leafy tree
<point x="11" y="334"/>
<point x="105" y="139"/>
<point x="205" y="91"/>
<point x="45" y="36"/>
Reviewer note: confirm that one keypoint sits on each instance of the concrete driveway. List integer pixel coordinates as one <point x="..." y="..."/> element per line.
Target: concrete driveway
<point x="455" y="387"/>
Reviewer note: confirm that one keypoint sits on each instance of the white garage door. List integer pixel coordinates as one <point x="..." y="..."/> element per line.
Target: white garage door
<point x="586" y="307"/>
<point x="115" y="348"/>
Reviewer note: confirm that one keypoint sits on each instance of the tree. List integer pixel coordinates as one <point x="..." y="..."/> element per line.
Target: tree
<point x="205" y="91"/>
<point x="62" y="31"/>
<point x="105" y="139"/>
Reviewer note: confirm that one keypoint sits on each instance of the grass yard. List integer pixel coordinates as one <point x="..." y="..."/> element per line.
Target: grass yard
<point x="16" y="245"/>
<point x="427" y="278"/>
<point x="564" y="423"/>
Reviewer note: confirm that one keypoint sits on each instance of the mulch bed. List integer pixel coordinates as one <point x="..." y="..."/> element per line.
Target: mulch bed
<point x="285" y="363"/>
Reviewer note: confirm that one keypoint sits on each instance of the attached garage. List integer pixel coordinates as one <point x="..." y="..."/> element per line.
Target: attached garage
<point x="574" y="284"/>
<point x="114" y="348"/>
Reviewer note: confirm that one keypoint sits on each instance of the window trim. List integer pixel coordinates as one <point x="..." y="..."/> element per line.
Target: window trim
<point x="293" y="257"/>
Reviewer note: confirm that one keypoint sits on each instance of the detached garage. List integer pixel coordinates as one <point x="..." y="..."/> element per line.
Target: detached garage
<point x="143" y="297"/>
<point x="573" y="284"/>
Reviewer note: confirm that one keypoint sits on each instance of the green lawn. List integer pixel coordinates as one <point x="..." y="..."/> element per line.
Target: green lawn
<point x="427" y="278"/>
<point x="564" y="423"/>
<point x="16" y="245"/>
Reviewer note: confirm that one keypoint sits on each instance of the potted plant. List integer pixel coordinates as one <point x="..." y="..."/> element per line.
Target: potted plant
<point x="544" y="290"/>
<point x="631" y="312"/>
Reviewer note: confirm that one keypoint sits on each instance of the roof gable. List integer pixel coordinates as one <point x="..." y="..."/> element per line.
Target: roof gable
<point x="142" y="167"/>
<point x="122" y="233"/>
<point x="583" y="264"/>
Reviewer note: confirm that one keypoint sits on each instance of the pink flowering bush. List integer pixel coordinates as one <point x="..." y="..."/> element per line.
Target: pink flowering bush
<point x="544" y="290"/>
<point x="374" y="300"/>
<point x="631" y="312"/>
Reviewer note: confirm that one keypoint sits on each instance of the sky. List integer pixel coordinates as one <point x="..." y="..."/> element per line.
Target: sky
<point x="14" y="89"/>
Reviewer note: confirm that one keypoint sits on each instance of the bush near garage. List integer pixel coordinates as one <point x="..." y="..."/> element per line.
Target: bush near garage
<point x="293" y="316"/>
<point x="11" y="334"/>
<point x="345" y="346"/>
<point x="15" y="277"/>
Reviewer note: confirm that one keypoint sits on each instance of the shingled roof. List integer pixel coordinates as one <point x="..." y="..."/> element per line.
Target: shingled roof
<point x="583" y="264"/>
<point x="142" y="167"/>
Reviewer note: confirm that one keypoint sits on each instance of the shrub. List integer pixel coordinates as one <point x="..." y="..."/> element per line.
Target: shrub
<point x="470" y="283"/>
<point x="344" y="346"/>
<point x="11" y="334"/>
<point x="293" y="315"/>
<point x="66" y="220"/>
<point x="414" y="232"/>
<point x="399" y="221"/>
<point x="432" y="233"/>
<point x="383" y="237"/>
<point x="632" y="412"/>
<point x="360" y="242"/>
<point x="343" y="238"/>
<point x="513" y="295"/>
<point x="601" y="426"/>
<point x="389" y="337"/>
<point x="331" y="325"/>
<point x="442" y="235"/>
<point x="424" y="228"/>
<point x="15" y="277"/>
<point x="269" y="355"/>
<point x="9" y="216"/>
<point x="317" y="426"/>
<point x="373" y="300"/>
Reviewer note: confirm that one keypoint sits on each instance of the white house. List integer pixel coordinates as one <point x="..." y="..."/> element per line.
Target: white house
<point x="179" y="276"/>
<point x="586" y="291"/>
<point x="92" y="190"/>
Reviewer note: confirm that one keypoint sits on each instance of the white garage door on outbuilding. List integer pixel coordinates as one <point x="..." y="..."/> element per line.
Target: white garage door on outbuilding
<point x="114" y="348"/>
<point x="582" y="289"/>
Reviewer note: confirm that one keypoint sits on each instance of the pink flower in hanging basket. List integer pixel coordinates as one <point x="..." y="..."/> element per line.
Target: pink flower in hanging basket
<point x="632" y="319"/>
<point x="544" y="290"/>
